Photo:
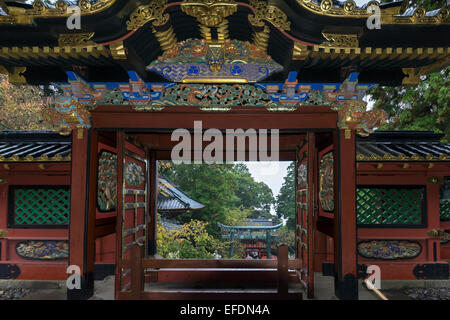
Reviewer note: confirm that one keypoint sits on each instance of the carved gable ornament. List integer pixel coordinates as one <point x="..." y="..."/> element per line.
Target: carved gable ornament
<point x="198" y="60"/>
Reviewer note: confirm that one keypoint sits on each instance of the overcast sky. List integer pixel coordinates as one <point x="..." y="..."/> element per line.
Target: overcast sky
<point x="272" y="173"/>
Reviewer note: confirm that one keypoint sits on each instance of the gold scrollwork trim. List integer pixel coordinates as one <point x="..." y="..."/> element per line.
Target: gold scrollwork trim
<point x="167" y="39"/>
<point x="153" y="107"/>
<point x="16" y="15"/>
<point x="14" y="74"/>
<point x="402" y="157"/>
<point x="270" y="13"/>
<point x="388" y="15"/>
<point x="341" y="40"/>
<point x="42" y="158"/>
<point x="78" y="51"/>
<point x="420" y="17"/>
<point x="154" y="11"/>
<point x="326" y="8"/>
<point x="118" y="50"/>
<point x="439" y="55"/>
<point x="207" y="12"/>
<point x="73" y="39"/>
<point x="261" y="38"/>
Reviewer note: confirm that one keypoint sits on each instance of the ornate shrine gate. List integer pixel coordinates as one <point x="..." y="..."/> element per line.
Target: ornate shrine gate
<point x="151" y="126"/>
<point x="239" y="64"/>
<point x="153" y="142"/>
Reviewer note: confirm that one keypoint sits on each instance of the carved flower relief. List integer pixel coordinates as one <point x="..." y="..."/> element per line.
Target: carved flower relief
<point x="61" y="6"/>
<point x="43" y="250"/>
<point x="389" y="249"/>
<point x="134" y="175"/>
<point x="446" y="237"/>
<point x="107" y="182"/>
<point x="303" y="174"/>
<point x="326" y="195"/>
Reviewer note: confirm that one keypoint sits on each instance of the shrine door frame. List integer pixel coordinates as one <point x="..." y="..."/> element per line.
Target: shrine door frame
<point x="124" y="121"/>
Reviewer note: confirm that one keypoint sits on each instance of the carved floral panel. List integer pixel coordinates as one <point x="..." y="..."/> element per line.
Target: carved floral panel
<point x="134" y="175"/>
<point x="389" y="249"/>
<point x="107" y="181"/>
<point x="43" y="249"/>
<point x="326" y="194"/>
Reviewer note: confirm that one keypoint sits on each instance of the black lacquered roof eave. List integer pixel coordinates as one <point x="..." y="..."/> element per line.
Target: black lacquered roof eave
<point x="34" y="146"/>
<point x="110" y="25"/>
<point x="402" y="146"/>
<point x="305" y="25"/>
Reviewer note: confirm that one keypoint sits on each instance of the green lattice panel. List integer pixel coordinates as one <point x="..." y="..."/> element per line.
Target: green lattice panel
<point x="41" y="206"/>
<point x="445" y="209"/>
<point x="392" y="206"/>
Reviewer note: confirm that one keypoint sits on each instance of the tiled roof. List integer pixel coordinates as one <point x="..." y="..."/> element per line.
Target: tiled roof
<point x="402" y="146"/>
<point x="34" y="146"/>
<point x="170" y="198"/>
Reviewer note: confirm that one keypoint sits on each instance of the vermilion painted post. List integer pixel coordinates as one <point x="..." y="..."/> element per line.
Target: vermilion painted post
<point x="152" y="205"/>
<point x="82" y="224"/>
<point x="434" y="221"/>
<point x="346" y="283"/>
<point x="137" y="281"/>
<point x="120" y="138"/>
<point x="283" y="276"/>
<point x="311" y="214"/>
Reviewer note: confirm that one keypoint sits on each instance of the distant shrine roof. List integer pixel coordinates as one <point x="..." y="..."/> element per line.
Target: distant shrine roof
<point x="172" y="199"/>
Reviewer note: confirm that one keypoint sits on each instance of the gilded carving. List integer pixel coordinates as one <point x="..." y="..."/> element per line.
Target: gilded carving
<point x="166" y="38"/>
<point x="107" y="181"/>
<point x="326" y="5"/>
<point x="389" y="16"/>
<point x="349" y="6"/>
<point x="341" y="40"/>
<point x="352" y="110"/>
<point x="154" y="11"/>
<point x="67" y="114"/>
<point x="61" y="6"/>
<point x="326" y="195"/>
<point x="43" y="249"/>
<point x="73" y="39"/>
<point x="402" y="157"/>
<point x="15" y="74"/>
<point x="232" y="61"/>
<point x="274" y="15"/>
<point x="77" y="51"/>
<point x="40" y="10"/>
<point x="389" y="249"/>
<point x="134" y="175"/>
<point x="118" y="50"/>
<point x="261" y="38"/>
<point x="209" y="12"/>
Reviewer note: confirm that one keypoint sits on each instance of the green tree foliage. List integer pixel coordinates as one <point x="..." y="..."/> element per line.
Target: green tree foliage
<point x="191" y="241"/>
<point x="208" y="184"/>
<point x="236" y="216"/>
<point x="286" y="236"/>
<point x="252" y="194"/>
<point x="285" y="203"/>
<point x="422" y="107"/>
<point x="228" y="192"/>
